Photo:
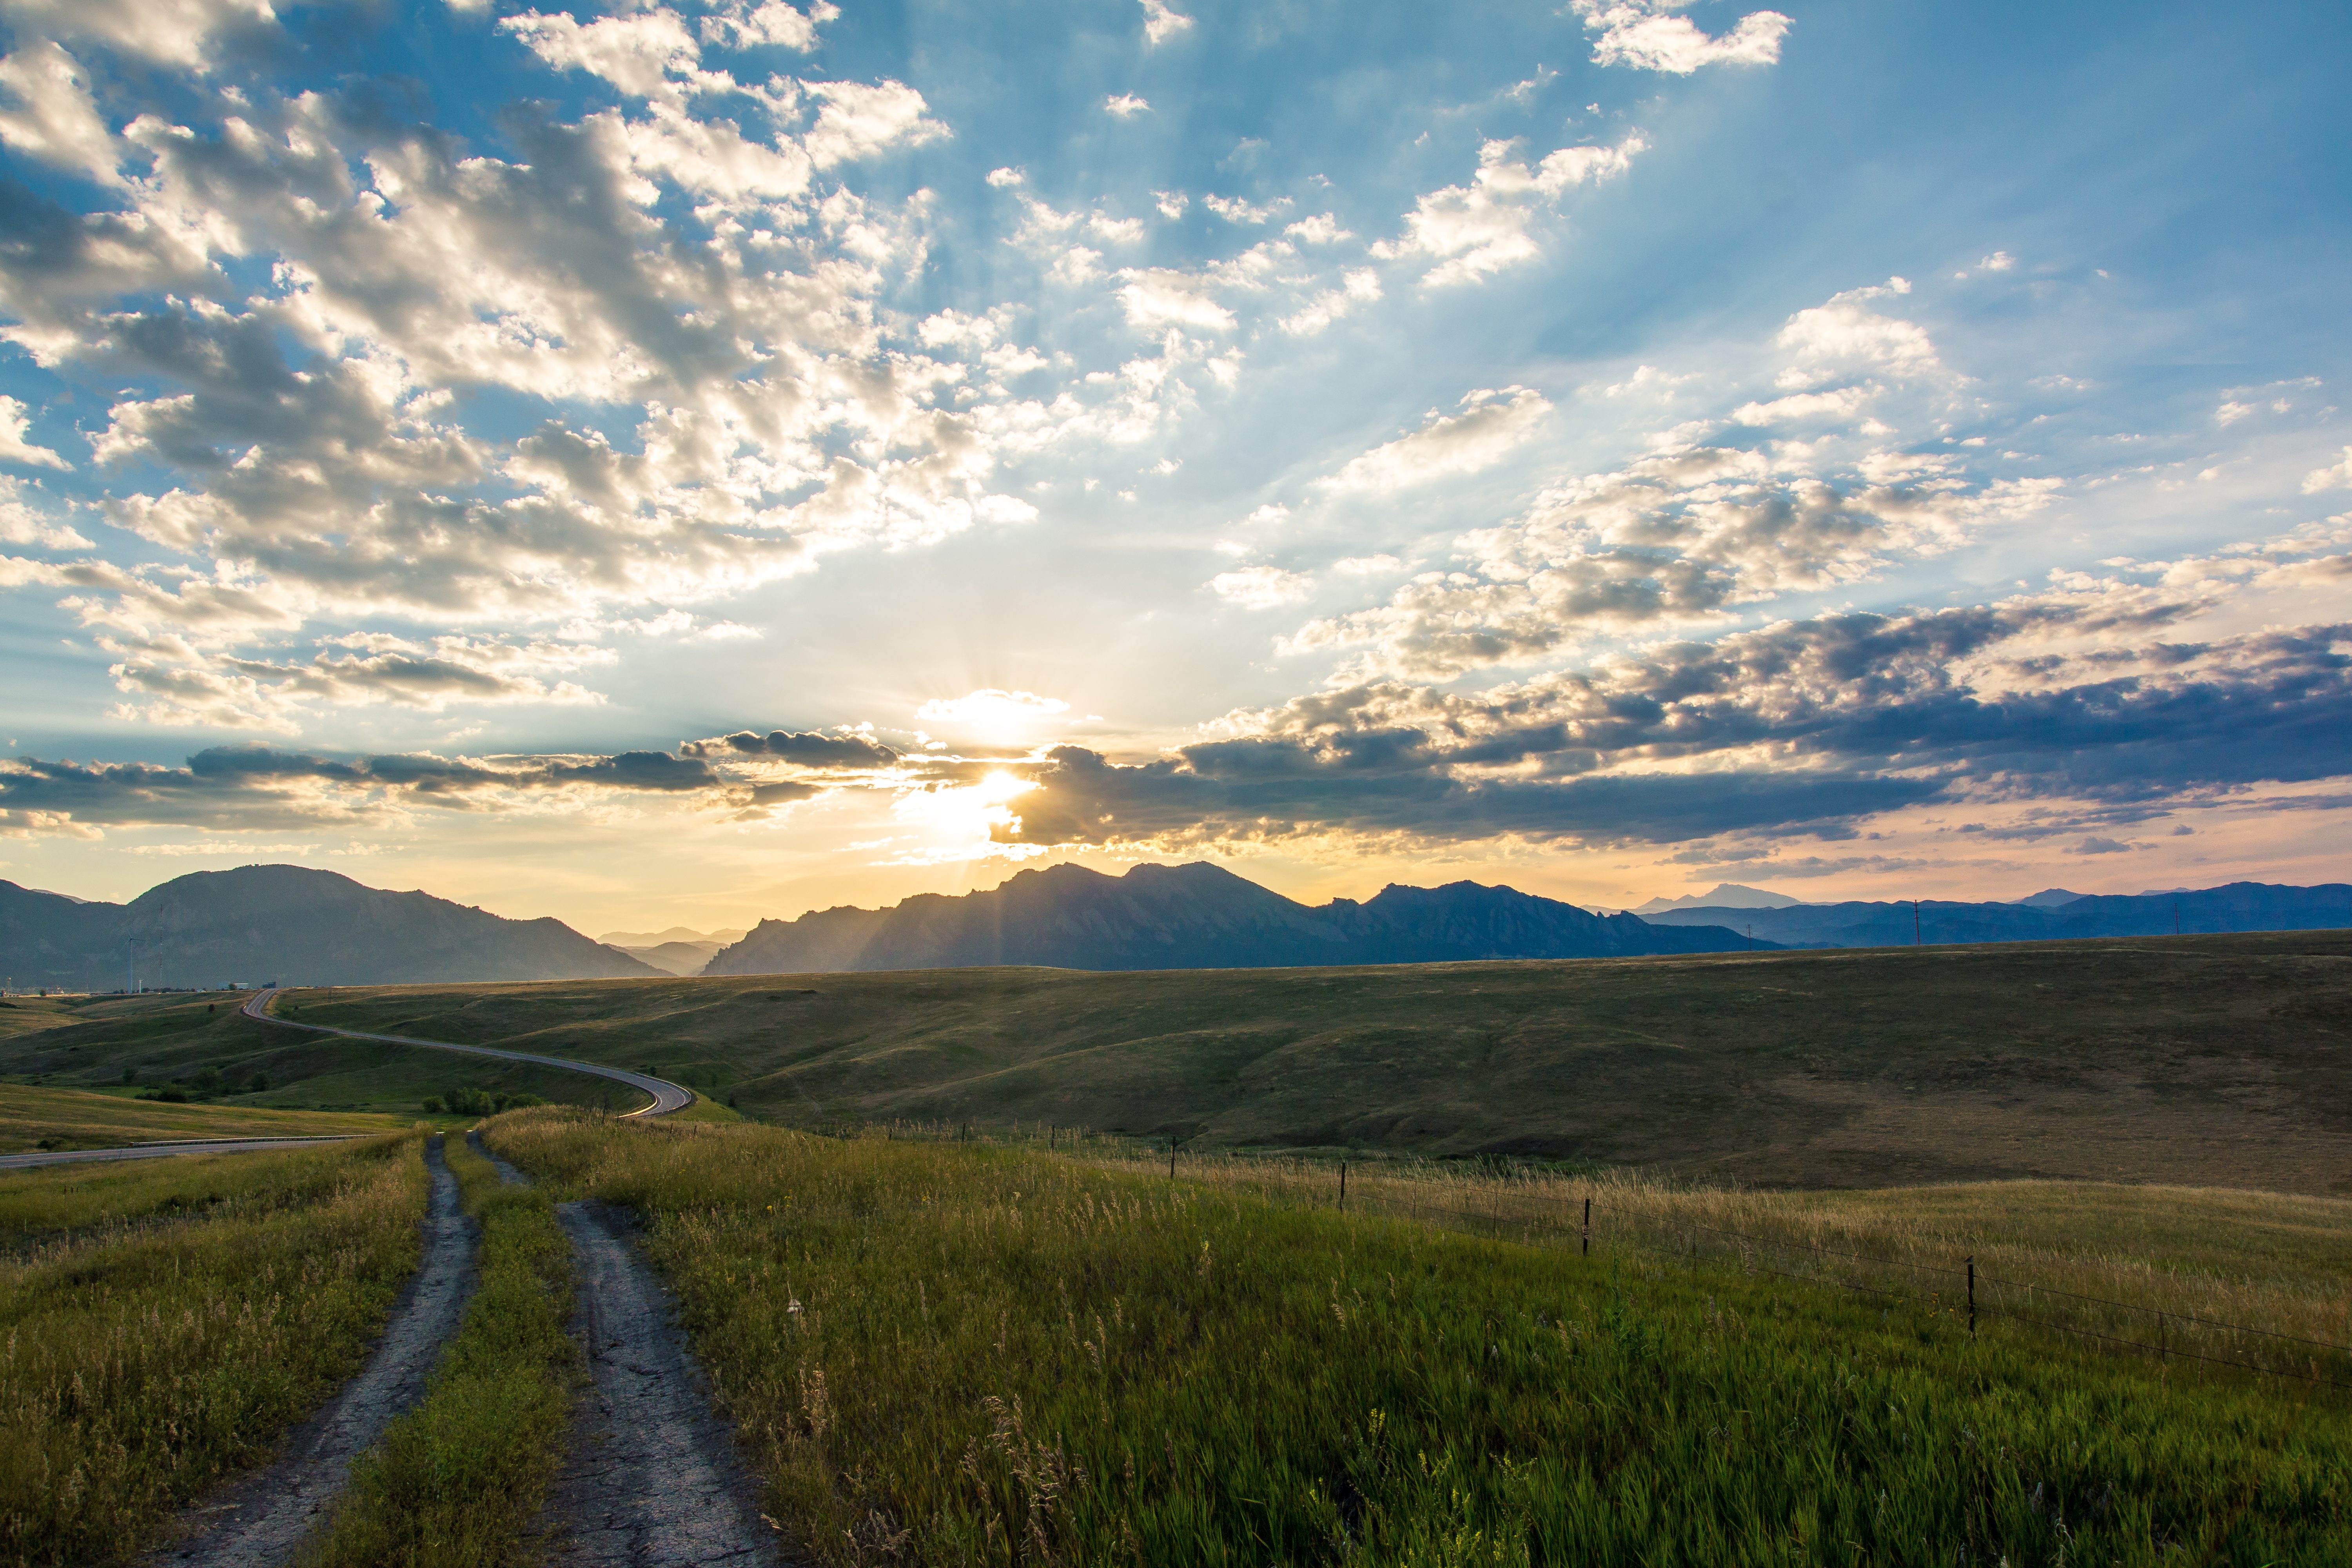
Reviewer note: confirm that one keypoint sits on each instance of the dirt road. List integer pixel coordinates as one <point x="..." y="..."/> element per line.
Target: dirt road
<point x="651" y="1476"/>
<point x="260" y="1520"/>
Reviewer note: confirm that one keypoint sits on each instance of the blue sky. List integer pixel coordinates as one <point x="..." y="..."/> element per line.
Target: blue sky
<point x="1604" y="448"/>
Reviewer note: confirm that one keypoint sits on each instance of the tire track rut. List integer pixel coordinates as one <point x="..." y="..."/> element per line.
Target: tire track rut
<point x="261" y="1520"/>
<point x="651" y="1476"/>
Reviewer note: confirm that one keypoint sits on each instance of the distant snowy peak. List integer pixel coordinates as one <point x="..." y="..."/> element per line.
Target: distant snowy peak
<point x="1724" y="896"/>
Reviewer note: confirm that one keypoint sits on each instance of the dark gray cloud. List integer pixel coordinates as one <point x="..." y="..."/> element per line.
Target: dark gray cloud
<point x="256" y="786"/>
<point x="1862" y="714"/>
<point x="809" y="749"/>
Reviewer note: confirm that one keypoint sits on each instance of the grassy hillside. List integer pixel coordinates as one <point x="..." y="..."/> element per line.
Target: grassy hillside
<point x="77" y="1118"/>
<point x="2207" y="1060"/>
<point x="942" y="1353"/>
<point x="90" y="1043"/>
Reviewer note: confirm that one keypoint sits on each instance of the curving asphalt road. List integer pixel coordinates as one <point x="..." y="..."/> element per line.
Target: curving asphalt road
<point x="156" y="1151"/>
<point x="668" y="1096"/>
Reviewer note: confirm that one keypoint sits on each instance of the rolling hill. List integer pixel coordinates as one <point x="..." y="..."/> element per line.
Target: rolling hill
<point x="2212" y="1060"/>
<point x="288" y="923"/>
<point x="1195" y="916"/>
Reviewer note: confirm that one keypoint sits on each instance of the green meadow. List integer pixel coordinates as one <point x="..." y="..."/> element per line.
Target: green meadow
<point x="162" y="1322"/>
<point x="942" y="1352"/>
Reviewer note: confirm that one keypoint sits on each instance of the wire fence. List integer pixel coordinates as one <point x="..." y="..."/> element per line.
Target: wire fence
<point x="1544" y="1210"/>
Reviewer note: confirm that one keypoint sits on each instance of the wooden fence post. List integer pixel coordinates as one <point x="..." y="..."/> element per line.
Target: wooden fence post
<point x="1343" y="1186"/>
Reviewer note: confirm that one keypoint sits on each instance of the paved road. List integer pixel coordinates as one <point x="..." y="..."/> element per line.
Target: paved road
<point x="156" y="1151"/>
<point x="668" y="1096"/>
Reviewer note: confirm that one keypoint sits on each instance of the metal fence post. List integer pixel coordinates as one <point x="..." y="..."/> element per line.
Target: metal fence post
<point x="1973" y="1294"/>
<point x="1343" y="1186"/>
<point x="1588" y="1227"/>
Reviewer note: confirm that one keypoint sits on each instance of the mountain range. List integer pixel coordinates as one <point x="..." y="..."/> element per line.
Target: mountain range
<point x="286" y="923"/>
<point x="1195" y="916"/>
<point x="680" y="949"/>
<point x="2051" y="915"/>
<point x="1722" y="896"/>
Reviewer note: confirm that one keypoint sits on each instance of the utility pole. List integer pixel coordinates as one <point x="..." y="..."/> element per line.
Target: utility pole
<point x="131" y="987"/>
<point x="1917" y="940"/>
<point x="2176" y="917"/>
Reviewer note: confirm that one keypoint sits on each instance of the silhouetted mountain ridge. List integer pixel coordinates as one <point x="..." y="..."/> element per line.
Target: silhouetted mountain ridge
<point x="2236" y="906"/>
<point x="1195" y="916"/>
<point x="288" y="923"/>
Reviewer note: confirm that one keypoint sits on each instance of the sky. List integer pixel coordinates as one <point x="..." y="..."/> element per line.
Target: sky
<point x="700" y="461"/>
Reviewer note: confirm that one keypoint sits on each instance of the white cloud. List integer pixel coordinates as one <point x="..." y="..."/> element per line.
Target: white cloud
<point x="1232" y="209"/>
<point x="1491" y="424"/>
<point x="1162" y="21"/>
<point x="54" y="118"/>
<point x="635" y="54"/>
<point x="858" y="121"/>
<point x="13" y="447"/>
<point x="1649" y="35"/>
<point x="1171" y="203"/>
<point x="1843" y="404"/>
<point x="1481" y="228"/>
<point x="1124" y="105"/>
<point x="1320" y="229"/>
<point x="1998" y="261"/>
<point x="1003" y="178"/>
<point x="1162" y="297"/>
<point x="169" y="32"/>
<point x="1261" y="587"/>
<point x="991" y="707"/>
<point x="1367" y="565"/>
<point x="739" y="24"/>
<point x="1845" y="334"/>
<point x="1358" y="288"/>
<point x="21" y="525"/>
<point x="2329" y="478"/>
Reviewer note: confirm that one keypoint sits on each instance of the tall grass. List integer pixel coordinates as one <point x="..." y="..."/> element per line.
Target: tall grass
<point x="458" y="1482"/>
<point x="950" y="1354"/>
<point x="2255" y="1277"/>
<point x="137" y="1368"/>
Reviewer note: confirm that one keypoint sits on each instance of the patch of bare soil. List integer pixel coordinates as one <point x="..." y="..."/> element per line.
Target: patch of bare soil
<point x="653" y="1477"/>
<point x="262" y="1519"/>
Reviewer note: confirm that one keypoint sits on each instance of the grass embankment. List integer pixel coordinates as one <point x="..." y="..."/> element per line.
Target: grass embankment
<point x="969" y="1355"/>
<point x="207" y="1049"/>
<point x="75" y="1119"/>
<point x="458" y="1481"/>
<point x="2194" y="1060"/>
<point x="144" y="1361"/>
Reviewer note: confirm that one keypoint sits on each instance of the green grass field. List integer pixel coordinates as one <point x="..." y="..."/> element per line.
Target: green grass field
<point x="77" y="1119"/>
<point x="90" y="1043"/>
<point x="162" y="1323"/>
<point x="2195" y="1061"/>
<point x="947" y="1353"/>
